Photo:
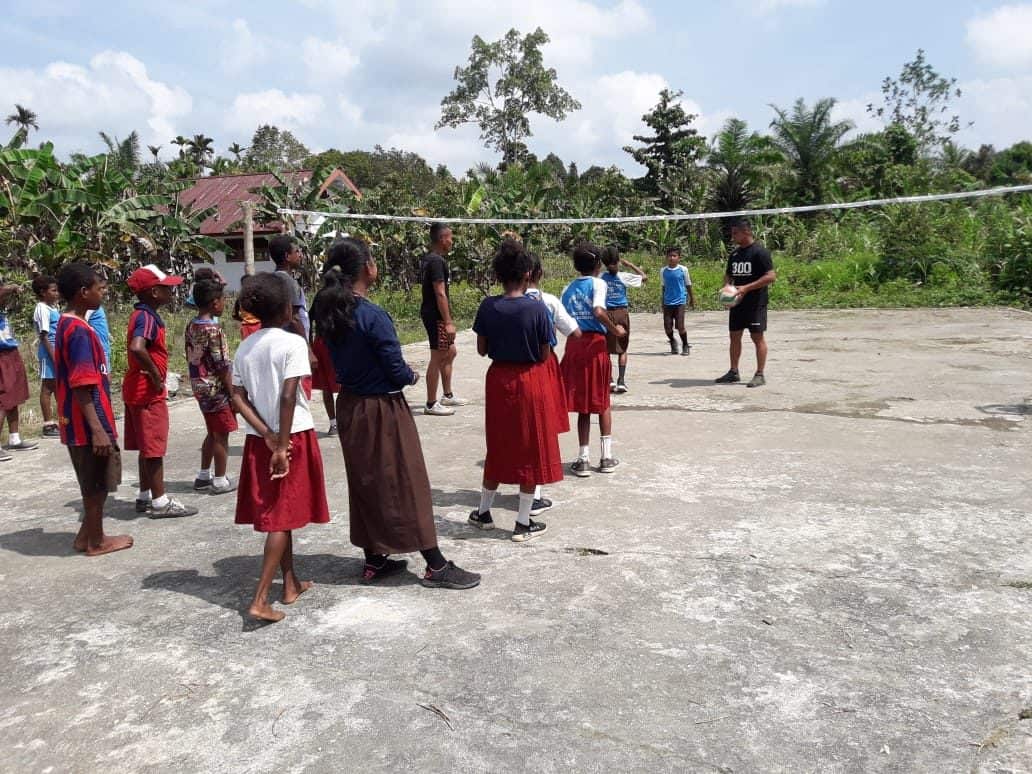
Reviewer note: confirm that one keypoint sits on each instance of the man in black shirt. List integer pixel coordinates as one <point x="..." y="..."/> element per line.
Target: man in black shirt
<point x="435" y="311"/>
<point x="750" y="269"/>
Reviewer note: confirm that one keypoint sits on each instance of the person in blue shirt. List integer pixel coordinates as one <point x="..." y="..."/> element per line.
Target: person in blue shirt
<point x="390" y="504"/>
<point x="677" y="289"/>
<point x="617" y="305"/>
<point x="44" y="322"/>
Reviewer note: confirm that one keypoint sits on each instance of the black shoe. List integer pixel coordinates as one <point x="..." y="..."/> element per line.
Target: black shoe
<point x="481" y="520"/>
<point x="200" y="484"/>
<point x="51" y="431"/>
<point x="371" y="573"/>
<point x="757" y="381"/>
<point x="450" y="577"/>
<point x="608" y="465"/>
<point x="540" y="506"/>
<point x="686" y="350"/>
<point x="729" y="378"/>
<point x="142" y="506"/>
<point x="525" y="532"/>
<point x="581" y="468"/>
<point x="673" y="348"/>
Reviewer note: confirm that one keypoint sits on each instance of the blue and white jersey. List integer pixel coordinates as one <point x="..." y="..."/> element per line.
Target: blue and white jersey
<point x="676" y="282"/>
<point x="616" y="288"/>
<point x="7" y="339"/>
<point x="581" y="297"/>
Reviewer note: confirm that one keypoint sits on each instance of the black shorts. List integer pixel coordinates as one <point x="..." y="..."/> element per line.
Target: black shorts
<point x="96" y="474"/>
<point x="753" y="318"/>
<point x="437" y="335"/>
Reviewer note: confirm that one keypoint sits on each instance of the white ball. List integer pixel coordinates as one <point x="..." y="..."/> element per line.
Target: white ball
<point x="729" y="296"/>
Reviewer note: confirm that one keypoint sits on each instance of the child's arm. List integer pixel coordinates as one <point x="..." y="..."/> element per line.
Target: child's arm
<point x="279" y="465"/>
<point x="635" y="269"/>
<point x="691" y="292"/>
<point x="603" y="317"/>
<point x="138" y="346"/>
<point x="44" y="338"/>
<point x="481" y="345"/>
<point x="244" y="407"/>
<point x="101" y="441"/>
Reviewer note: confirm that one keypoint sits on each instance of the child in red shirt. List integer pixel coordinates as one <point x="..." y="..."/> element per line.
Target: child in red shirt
<point x="143" y="391"/>
<point x="84" y="405"/>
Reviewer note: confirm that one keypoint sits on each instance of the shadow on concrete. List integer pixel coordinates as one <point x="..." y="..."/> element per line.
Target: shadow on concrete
<point x="1017" y="409"/>
<point x="680" y="383"/>
<point x="36" y="542"/>
<point x="457" y="497"/>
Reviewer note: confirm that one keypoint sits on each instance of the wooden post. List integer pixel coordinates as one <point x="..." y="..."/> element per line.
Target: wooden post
<point x="248" y="208"/>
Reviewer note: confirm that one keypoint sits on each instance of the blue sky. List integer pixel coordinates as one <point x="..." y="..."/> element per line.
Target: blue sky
<point x="364" y="72"/>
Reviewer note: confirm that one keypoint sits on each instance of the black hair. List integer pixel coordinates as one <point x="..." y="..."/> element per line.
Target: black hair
<point x="333" y="308"/>
<point x="611" y="255"/>
<point x="511" y="262"/>
<point x="280" y="247"/>
<point x="265" y="295"/>
<point x="586" y="257"/>
<point x="40" y="283"/>
<point x="741" y="222"/>
<point x="437" y="231"/>
<point x="73" y="277"/>
<point x="206" y="290"/>
<point x="673" y="249"/>
<point x="537" y="270"/>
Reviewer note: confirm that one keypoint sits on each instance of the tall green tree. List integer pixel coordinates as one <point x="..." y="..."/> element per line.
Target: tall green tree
<point x="739" y="162"/>
<point x="125" y="154"/>
<point x="273" y="149"/>
<point x="23" y="118"/>
<point x="201" y="149"/>
<point x="505" y="83"/>
<point x="808" y="138"/>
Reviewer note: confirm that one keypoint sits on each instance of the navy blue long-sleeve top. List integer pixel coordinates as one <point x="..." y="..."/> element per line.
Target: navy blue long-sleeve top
<point x="368" y="361"/>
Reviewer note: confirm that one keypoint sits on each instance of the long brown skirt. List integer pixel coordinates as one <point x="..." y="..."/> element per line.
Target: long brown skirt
<point x="391" y="510"/>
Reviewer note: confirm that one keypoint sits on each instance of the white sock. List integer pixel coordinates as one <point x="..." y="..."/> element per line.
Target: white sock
<point x="537" y="492"/>
<point x="526" y="501"/>
<point x="220" y="481"/>
<point x="14" y="439"/>
<point x="486" y="499"/>
<point x="160" y="502"/>
<point x="585" y="453"/>
<point x="607" y="446"/>
<point x="204" y="475"/>
<point x="143" y="494"/>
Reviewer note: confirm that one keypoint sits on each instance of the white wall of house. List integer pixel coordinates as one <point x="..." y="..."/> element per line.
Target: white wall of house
<point x="232" y="271"/>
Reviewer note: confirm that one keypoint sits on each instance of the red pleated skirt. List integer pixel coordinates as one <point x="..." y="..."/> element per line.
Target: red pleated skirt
<point x="324" y="377"/>
<point x="287" y="503"/>
<point x="556" y="376"/>
<point x="521" y="422"/>
<point x="586" y="374"/>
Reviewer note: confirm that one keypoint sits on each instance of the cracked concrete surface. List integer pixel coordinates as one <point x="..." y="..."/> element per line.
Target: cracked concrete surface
<point x="832" y="573"/>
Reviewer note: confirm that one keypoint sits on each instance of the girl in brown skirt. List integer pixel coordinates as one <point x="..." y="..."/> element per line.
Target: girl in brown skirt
<point x="391" y="511"/>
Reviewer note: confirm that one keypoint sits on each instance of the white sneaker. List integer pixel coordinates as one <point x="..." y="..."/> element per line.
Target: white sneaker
<point x="454" y="400"/>
<point x="437" y="410"/>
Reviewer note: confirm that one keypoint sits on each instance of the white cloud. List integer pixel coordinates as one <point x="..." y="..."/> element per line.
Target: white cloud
<point x="327" y="60"/>
<point x="766" y="7"/>
<point x="349" y="111"/>
<point x="114" y="93"/>
<point x="287" y="111"/>
<point x="1001" y="109"/>
<point x="241" y="49"/>
<point x="855" y="110"/>
<point x="1003" y="37"/>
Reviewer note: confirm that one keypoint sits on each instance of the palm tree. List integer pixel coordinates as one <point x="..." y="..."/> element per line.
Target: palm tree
<point x="808" y="138"/>
<point x="126" y="154"/>
<point x="738" y="161"/>
<point x="182" y="142"/>
<point x="155" y="150"/>
<point x="24" y="118"/>
<point x="236" y="149"/>
<point x="201" y="149"/>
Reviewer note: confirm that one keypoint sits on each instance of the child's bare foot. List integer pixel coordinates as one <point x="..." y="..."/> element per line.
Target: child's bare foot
<point x="79" y="544"/>
<point x="109" y="545"/>
<point x="265" y="612"/>
<point x="291" y="593"/>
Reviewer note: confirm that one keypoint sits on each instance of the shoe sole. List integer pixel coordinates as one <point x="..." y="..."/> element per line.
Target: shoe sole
<point x="214" y="491"/>
<point x="539" y="511"/>
<point x="621" y="390"/>
<point x="480" y="524"/>
<point x="581" y="473"/>
<point x="523" y="537"/>
<point x="161" y="515"/>
<point x="608" y="470"/>
<point x="449" y="585"/>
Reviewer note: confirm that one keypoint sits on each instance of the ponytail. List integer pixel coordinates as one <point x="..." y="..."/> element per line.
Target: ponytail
<point x="333" y="308"/>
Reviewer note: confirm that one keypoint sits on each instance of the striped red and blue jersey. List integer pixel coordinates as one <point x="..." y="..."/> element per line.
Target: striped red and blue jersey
<point x="137" y="388"/>
<point x="79" y="361"/>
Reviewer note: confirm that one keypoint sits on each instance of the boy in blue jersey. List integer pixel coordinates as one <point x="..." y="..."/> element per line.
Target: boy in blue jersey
<point x="677" y="289"/>
<point x="617" y="305"/>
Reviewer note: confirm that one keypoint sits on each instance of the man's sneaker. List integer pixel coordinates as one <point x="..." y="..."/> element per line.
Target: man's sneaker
<point x="371" y="573"/>
<point x="581" y="468"/>
<point x="200" y="484"/>
<point x="51" y="431"/>
<point x="673" y="347"/>
<point x="540" y="506"/>
<point x="142" y="506"/>
<point x="621" y="388"/>
<point x="481" y="520"/>
<point x="174" y="510"/>
<point x="608" y="464"/>
<point x="450" y="577"/>
<point x="5" y="457"/>
<point x="230" y="486"/>
<point x="22" y="446"/>
<point x="453" y="400"/>
<point x="729" y="378"/>
<point x="525" y="532"/>
<point x="437" y="410"/>
<point x="686" y="350"/>
<point x="757" y="381"/>
<point x="333" y="428"/>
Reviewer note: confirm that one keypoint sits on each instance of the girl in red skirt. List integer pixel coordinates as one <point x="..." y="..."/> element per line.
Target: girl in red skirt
<point x="281" y="477"/>
<point x="585" y="366"/>
<point x="522" y="405"/>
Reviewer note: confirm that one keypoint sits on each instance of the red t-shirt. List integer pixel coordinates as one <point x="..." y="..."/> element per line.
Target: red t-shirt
<point x="137" y="388"/>
<point x="79" y="361"/>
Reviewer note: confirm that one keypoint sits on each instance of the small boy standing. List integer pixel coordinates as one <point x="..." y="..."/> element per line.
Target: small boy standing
<point x="677" y="289"/>
<point x="84" y="398"/>
<point x="143" y="391"/>
<point x="14" y="384"/>
<point x="44" y="321"/>
<point x="617" y="306"/>
<point x="207" y="357"/>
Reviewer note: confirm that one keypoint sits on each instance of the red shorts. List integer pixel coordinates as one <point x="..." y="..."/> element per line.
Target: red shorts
<point x="324" y="377"/>
<point x="221" y="421"/>
<point x="146" y="429"/>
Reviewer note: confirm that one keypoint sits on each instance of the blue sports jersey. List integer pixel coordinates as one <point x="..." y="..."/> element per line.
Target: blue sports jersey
<point x="97" y="320"/>
<point x="674" y="290"/>
<point x="616" y="291"/>
<point x="536" y="295"/>
<point x="579" y="300"/>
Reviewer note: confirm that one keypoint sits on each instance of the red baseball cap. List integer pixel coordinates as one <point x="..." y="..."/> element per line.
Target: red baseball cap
<point x="150" y="276"/>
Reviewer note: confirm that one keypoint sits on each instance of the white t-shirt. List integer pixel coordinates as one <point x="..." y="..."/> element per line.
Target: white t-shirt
<point x="630" y="279"/>
<point x="265" y="360"/>
<point x="44" y="319"/>
<point x="560" y="317"/>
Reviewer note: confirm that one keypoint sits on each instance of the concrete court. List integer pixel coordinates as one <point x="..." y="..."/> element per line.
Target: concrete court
<point x="829" y="574"/>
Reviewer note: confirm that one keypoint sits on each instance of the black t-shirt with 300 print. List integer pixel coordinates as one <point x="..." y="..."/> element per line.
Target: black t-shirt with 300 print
<point x="748" y="264"/>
